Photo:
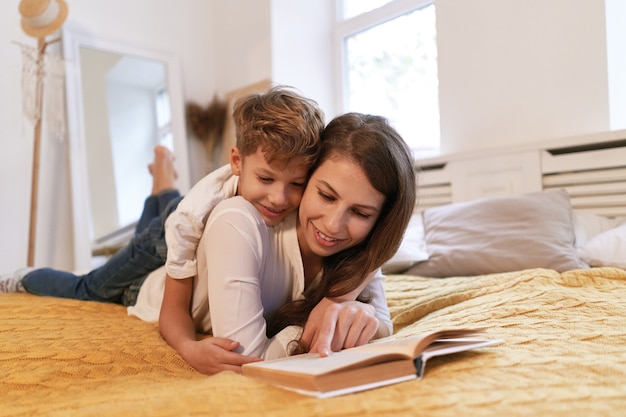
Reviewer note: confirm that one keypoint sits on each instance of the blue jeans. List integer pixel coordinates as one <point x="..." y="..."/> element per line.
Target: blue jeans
<point x="120" y="278"/>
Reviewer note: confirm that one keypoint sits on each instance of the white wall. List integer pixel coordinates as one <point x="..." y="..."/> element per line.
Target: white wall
<point x="242" y="49"/>
<point x="303" y="58"/>
<point x="515" y="71"/>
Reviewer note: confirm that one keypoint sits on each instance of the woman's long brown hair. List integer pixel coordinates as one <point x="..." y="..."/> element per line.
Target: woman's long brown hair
<point x="386" y="161"/>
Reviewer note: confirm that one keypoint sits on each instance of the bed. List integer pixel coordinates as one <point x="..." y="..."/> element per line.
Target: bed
<point x="563" y="324"/>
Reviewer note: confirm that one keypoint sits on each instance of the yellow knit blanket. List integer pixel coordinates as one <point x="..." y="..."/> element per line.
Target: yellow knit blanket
<point x="564" y="353"/>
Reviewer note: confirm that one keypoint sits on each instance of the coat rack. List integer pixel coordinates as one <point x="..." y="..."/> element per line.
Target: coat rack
<point x="40" y="18"/>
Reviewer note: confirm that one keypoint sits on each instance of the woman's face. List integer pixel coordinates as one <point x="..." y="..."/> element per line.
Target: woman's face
<point x="339" y="208"/>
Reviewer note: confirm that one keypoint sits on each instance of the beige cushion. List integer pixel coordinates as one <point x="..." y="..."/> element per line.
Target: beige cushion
<point x="500" y="234"/>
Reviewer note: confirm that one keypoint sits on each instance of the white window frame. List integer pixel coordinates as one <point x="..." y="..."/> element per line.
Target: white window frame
<point x="345" y="28"/>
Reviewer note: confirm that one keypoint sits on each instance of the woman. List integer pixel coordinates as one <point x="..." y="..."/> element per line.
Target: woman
<point x="258" y="280"/>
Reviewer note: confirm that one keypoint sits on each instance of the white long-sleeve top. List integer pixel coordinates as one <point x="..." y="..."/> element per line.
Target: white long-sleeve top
<point x="246" y="271"/>
<point x="184" y="226"/>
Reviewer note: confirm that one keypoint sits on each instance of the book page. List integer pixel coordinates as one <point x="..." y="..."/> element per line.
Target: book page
<point x="412" y="346"/>
<point x="313" y="364"/>
<point x="447" y="347"/>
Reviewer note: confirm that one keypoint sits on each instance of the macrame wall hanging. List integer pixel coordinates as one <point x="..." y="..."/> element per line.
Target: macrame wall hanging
<point x="41" y="18"/>
<point x="38" y="70"/>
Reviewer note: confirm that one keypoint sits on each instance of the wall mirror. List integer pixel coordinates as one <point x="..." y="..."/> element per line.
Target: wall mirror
<point x="121" y="102"/>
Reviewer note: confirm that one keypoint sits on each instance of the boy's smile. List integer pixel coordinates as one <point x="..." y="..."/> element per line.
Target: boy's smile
<point x="274" y="189"/>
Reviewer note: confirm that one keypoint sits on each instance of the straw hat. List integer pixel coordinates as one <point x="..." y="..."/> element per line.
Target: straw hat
<point x="41" y="18"/>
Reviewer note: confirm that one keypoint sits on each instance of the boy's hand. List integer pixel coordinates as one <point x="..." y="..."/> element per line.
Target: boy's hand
<point x="214" y="354"/>
<point x="335" y="325"/>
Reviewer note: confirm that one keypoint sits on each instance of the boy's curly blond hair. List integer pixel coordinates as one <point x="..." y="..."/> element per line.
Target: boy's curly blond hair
<point x="284" y="123"/>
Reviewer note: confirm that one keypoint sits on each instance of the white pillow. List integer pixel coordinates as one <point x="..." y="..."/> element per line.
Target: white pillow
<point x="589" y="225"/>
<point x="412" y="249"/>
<point x="606" y="249"/>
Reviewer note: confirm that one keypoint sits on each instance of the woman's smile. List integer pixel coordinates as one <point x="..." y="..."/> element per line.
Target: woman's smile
<point x="324" y="239"/>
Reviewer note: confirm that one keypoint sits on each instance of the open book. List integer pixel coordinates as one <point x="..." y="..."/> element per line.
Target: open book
<point x="369" y="366"/>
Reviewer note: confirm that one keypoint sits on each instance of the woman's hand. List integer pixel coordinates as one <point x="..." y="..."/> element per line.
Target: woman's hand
<point x="335" y="324"/>
<point x="211" y="355"/>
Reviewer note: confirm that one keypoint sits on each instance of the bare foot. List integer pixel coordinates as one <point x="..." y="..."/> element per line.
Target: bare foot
<point x="162" y="169"/>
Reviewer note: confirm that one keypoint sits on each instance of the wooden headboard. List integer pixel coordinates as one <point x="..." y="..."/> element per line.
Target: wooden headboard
<point x="592" y="168"/>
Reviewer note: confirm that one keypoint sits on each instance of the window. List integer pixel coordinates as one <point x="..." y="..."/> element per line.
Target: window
<point x="389" y="66"/>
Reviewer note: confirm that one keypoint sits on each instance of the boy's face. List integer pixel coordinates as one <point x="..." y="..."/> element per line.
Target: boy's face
<point x="275" y="189"/>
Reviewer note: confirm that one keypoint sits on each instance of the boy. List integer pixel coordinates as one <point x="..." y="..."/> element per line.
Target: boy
<point x="280" y="122"/>
<point x="278" y="140"/>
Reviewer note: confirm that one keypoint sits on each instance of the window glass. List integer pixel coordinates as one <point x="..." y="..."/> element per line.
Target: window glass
<point x="392" y="71"/>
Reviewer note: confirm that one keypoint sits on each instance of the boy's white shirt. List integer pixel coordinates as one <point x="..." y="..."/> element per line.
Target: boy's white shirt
<point x="184" y="227"/>
<point x="254" y="269"/>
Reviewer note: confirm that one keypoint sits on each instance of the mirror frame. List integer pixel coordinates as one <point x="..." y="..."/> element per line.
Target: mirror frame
<point x="72" y="42"/>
